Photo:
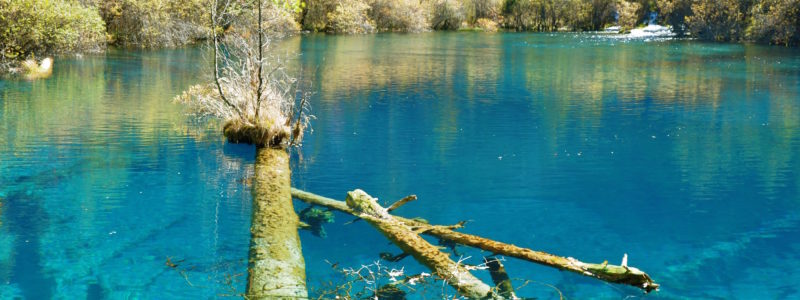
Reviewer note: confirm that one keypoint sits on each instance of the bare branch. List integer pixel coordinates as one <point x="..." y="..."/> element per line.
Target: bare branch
<point x="400" y="202"/>
<point x="216" y="60"/>
<point x="260" y="88"/>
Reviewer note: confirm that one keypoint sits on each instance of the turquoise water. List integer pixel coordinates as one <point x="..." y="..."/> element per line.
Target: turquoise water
<point x="684" y="155"/>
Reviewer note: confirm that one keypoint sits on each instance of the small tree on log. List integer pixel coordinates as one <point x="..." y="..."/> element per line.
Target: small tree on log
<point x="252" y="93"/>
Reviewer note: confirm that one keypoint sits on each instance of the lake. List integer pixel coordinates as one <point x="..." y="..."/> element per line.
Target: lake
<point x="684" y="155"/>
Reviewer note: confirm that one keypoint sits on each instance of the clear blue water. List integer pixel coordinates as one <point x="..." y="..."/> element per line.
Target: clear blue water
<point x="684" y="155"/>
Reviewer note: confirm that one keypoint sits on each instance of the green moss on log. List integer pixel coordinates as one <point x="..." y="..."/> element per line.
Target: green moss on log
<point x="276" y="266"/>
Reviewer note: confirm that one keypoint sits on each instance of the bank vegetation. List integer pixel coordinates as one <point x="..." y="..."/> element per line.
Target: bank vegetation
<point x="30" y="28"/>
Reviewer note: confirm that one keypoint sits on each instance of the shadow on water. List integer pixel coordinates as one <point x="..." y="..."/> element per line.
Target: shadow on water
<point x="26" y="220"/>
<point x="95" y="291"/>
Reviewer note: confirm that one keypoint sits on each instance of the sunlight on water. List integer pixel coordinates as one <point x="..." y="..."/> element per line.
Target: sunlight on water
<point x="684" y="155"/>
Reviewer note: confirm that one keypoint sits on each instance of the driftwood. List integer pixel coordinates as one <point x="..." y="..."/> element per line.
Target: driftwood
<point x="368" y="209"/>
<point x="621" y="274"/>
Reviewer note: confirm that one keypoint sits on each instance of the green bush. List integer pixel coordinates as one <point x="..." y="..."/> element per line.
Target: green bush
<point x="718" y="20"/>
<point x="155" y="23"/>
<point x="278" y="17"/>
<point x="337" y="16"/>
<point x="522" y="14"/>
<point x="601" y="13"/>
<point x="541" y="15"/>
<point x="578" y="15"/>
<point x="447" y="14"/>
<point x="43" y="27"/>
<point x="399" y="15"/>
<point x="674" y="13"/>
<point x="315" y="16"/>
<point x="350" y="17"/>
<point x="281" y="16"/>
<point x="775" y="22"/>
<point x="552" y="15"/>
<point x="482" y="9"/>
<point x="630" y="14"/>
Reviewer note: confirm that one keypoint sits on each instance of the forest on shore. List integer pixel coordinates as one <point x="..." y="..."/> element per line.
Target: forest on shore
<point x="44" y="27"/>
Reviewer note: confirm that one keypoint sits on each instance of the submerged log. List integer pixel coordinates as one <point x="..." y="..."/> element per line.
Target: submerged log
<point x="500" y="278"/>
<point x="276" y="268"/>
<point x="456" y="275"/>
<point x="622" y="274"/>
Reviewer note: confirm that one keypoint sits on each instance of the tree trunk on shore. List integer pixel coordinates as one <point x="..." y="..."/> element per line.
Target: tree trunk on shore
<point x="276" y="268"/>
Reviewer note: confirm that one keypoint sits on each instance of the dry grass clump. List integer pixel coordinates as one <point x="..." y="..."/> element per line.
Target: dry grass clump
<point x="237" y="131"/>
<point x="33" y="70"/>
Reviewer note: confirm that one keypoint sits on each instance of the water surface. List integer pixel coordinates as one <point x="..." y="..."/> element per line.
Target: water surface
<point x="684" y="155"/>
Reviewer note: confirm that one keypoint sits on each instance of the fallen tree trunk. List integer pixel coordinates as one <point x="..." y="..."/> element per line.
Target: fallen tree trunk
<point x="610" y="273"/>
<point x="456" y="275"/>
<point x="276" y="269"/>
<point x="621" y="274"/>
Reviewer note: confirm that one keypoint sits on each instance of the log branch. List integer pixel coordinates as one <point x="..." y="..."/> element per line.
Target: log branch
<point x="609" y="273"/>
<point x="400" y="202"/>
<point x="605" y="272"/>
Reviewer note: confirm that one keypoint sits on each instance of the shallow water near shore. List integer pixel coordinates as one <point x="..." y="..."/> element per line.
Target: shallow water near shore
<point x="684" y="155"/>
